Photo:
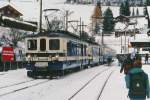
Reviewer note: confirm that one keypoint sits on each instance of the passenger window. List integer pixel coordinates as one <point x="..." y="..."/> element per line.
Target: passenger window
<point x="54" y="44"/>
<point x="42" y="44"/>
<point x="32" y="44"/>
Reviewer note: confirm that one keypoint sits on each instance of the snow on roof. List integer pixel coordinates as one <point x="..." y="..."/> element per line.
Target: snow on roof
<point x="120" y="26"/>
<point x="4" y="4"/>
<point x="140" y="23"/>
<point x="12" y="19"/>
<point x="140" y="38"/>
<point x="12" y="8"/>
<point x="28" y="9"/>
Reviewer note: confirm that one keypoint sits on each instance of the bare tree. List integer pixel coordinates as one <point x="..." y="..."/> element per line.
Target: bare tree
<point x="17" y="35"/>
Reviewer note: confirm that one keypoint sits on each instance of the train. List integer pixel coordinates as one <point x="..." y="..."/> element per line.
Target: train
<point x="54" y="52"/>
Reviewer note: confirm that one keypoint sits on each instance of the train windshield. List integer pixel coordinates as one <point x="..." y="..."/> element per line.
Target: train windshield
<point x="43" y="44"/>
<point x="32" y="44"/>
<point x="54" y="44"/>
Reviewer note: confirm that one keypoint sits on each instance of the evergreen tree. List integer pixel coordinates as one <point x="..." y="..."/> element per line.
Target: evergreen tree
<point x="108" y="23"/>
<point x="144" y="11"/>
<point x="75" y="1"/>
<point x="68" y="1"/>
<point x="147" y="2"/>
<point x="137" y="12"/>
<point x="127" y="8"/>
<point x="122" y="9"/>
<point x="141" y="3"/>
<point x="133" y="13"/>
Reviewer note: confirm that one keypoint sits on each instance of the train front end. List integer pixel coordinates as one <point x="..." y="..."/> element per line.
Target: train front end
<point x="44" y="55"/>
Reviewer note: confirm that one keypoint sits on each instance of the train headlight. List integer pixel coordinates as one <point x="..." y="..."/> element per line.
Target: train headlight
<point x="29" y="57"/>
<point x="57" y="57"/>
<point x="50" y="57"/>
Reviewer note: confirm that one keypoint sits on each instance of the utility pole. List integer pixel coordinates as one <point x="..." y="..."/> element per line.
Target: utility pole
<point x="80" y="27"/>
<point x="134" y="32"/>
<point x="83" y="26"/>
<point x="67" y="13"/>
<point x="121" y="44"/>
<point x="125" y="42"/>
<point x="40" y="17"/>
<point x="128" y="45"/>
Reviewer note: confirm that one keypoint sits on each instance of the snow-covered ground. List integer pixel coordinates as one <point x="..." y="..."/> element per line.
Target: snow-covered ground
<point x="15" y="85"/>
<point x="19" y="86"/>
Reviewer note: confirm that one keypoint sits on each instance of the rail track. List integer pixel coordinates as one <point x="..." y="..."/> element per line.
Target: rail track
<point x="85" y="85"/>
<point x="13" y="88"/>
<point x="15" y="84"/>
<point x="2" y="74"/>
<point x="6" y="90"/>
<point x="104" y="85"/>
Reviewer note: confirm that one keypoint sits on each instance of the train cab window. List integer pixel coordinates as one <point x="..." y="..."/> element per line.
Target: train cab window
<point x="54" y="44"/>
<point x="32" y="44"/>
<point x="42" y="44"/>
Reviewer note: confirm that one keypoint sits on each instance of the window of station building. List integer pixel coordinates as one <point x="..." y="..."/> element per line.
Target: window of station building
<point x="32" y="44"/>
<point x="42" y="44"/>
<point x="54" y="44"/>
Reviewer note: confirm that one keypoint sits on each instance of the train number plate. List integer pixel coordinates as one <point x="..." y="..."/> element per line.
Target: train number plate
<point x="41" y="64"/>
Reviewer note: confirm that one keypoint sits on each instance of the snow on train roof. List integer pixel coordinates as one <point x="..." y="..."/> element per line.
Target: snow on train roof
<point x="60" y="33"/>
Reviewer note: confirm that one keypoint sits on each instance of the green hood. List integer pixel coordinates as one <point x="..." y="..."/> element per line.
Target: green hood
<point x="135" y="70"/>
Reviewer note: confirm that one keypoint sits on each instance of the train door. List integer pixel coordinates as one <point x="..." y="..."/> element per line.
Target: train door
<point x="43" y="44"/>
<point x="31" y="44"/>
<point x="99" y="54"/>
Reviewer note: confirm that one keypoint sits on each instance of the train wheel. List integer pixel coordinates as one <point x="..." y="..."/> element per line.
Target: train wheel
<point x="29" y="73"/>
<point x="63" y="72"/>
<point x="35" y="74"/>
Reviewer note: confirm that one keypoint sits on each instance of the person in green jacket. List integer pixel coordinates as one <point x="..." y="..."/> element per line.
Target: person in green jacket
<point x="137" y="82"/>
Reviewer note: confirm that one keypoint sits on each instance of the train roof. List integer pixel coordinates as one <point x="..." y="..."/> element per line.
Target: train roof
<point x="54" y="34"/>
<point x="60" y="33"/>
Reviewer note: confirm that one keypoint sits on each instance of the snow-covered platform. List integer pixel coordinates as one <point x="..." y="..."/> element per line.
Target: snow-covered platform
<point x="97" y="83"/>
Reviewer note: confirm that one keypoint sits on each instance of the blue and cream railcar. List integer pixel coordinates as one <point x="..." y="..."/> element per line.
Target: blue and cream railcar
<point x="53" y="52"/>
